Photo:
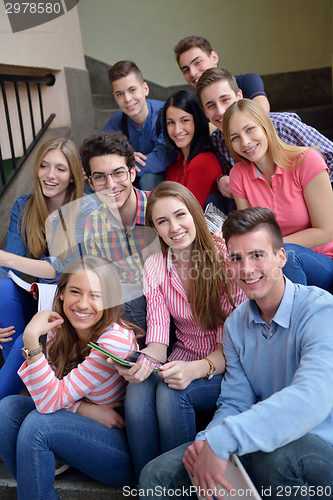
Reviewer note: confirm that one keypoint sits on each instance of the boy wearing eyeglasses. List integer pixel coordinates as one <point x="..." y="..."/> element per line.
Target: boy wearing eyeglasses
<point x="116" y="230"/>
<point x="139" y="119"/>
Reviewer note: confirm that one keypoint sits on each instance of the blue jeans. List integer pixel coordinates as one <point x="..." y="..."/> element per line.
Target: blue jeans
<point x="307" y="267"/>
<point x="159" y="419"/>
<point x="148" y="181"/>
<point x="16" y="309"/>
<point x="306" y="462"/>
<point x="31" y="441"/>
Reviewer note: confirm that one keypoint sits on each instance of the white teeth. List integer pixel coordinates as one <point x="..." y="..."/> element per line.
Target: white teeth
<point x="251" y="150"/>
<point x="82" y="315"/>
<point x="112" y="195"/>
<point x="52" y="184"/>
<point x="178" y="237"/>
<point x="180" y="136"/>
<point x="254" y="280"/>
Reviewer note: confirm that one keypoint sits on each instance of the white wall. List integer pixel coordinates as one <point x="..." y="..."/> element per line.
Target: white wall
<point x="261" y="36"/>
<point x="51" y="46"/>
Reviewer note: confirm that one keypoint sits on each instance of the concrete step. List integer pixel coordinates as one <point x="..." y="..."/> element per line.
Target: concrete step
<point x="102" y="116"/>
<point x="319" y="117"/>
<point x="71" y="485"/>
<point x="104" y="101"/>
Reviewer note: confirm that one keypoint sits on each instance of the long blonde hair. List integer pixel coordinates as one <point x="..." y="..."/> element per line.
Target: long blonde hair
<point x="64" y="350"/>
<point x="281" y="153"/>
<point x="35" y="226"/>
<point x="210" y="268"/>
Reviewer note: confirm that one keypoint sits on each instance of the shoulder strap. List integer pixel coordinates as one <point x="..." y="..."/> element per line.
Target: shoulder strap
<point x="124" y="125"/>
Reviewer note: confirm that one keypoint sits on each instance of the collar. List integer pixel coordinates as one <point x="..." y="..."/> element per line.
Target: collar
<point x="169" y="259"/>
<point x="283" y="314"/>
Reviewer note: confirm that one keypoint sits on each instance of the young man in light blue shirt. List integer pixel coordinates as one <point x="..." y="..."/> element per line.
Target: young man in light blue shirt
<point x="275" y="409"/>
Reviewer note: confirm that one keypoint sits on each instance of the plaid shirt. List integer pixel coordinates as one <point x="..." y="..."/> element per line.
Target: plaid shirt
<point x="291" y="130"/>
<point x="123" y="247"/>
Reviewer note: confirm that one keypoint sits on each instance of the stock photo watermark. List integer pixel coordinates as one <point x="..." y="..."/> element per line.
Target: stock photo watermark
<point x="25" y="15"/>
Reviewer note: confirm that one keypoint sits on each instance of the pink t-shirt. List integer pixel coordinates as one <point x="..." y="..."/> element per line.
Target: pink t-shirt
<point x="285" y="198"/>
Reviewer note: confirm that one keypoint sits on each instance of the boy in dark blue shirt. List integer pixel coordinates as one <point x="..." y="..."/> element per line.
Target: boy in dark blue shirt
<point x="139" y="119"/>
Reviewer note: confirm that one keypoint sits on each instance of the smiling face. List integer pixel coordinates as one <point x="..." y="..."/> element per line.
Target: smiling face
<point x="216" y="99"/>
<point x="130" y="95"/>
<point x="180" y="128"/>
<point x="174" y="223"/>
<point x="116" y="195"/>
<point x="257" y="268"/>
<point x="194" y="62"/>
<point x="54" y="176"/>
<point x="83" y="302"/>
<point x="248" y="139"/>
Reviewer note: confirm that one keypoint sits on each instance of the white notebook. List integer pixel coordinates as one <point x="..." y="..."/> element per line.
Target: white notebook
<point x="239" y="479"/>
<point x="46" y="291"/>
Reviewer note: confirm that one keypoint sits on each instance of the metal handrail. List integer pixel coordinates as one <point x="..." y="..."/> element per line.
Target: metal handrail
<point x="49" y="80"/>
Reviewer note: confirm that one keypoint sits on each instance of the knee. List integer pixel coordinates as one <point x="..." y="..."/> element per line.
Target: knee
<point x="168" y="399"/>
<point x="167" y="470"/>
<point x="140" y="396"/>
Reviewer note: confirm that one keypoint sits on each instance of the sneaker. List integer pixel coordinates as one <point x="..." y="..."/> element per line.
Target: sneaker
<point x="60" y="467"/>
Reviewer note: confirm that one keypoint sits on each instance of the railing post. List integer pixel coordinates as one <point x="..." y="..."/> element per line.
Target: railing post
<point x="15" y="79"/>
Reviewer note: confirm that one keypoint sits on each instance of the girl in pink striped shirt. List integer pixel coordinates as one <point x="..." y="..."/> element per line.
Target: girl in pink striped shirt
<point x="73" y="383"/>
<point x="188" y="281"/>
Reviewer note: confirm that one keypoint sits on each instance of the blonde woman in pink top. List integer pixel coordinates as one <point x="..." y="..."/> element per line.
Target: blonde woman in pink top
<point x="292" y="181"/>
<point x="73" y="412"/>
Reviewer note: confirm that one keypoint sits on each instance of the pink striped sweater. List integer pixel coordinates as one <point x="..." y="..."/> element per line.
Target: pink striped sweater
<point x="94" y="378"/>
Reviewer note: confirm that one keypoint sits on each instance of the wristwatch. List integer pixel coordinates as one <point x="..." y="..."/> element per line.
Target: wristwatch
<point x="211" y="372"/>
<point x="30" y="354"/>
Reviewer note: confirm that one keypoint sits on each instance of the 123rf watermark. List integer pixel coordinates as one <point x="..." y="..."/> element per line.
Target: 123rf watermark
<point x="185" y="492"/>
<point x="24" y="15"/>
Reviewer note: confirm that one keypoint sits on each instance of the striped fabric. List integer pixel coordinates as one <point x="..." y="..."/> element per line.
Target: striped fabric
<point x="103" y="238"/>
<point x="94" y="378"/>
<point x="166" y="296"/>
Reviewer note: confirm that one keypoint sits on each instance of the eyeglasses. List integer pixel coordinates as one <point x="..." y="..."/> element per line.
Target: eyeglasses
<point x="99" y="179"/>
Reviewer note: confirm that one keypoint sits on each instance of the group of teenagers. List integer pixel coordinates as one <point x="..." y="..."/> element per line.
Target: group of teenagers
<point x="228" y="321"/>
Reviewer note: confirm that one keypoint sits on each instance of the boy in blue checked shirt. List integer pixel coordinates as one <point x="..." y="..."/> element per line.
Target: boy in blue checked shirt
<point x="217" y="89"/>
<point x="116" y="230"/>
<point x="140" y="120"/>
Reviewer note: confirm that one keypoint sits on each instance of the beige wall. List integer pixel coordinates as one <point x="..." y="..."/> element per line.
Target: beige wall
<point x="51" y="46"/>
<point x="261" y="36"/>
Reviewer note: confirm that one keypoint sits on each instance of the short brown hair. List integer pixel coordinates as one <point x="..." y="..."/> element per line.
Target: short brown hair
<point x="245" y="221"/>
<point x="112" y="142"/>
<point x="122" y="69"/>
<point x="213" y="75"/>
<point x="192" y="41"/>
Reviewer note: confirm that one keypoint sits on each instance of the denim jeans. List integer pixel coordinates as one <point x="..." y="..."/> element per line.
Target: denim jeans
<point x="159" y="419"/>
<point x="303" y="469"/>
<point x="31" y="441"/>
<point x="148" y="181"/>
<point x="16" y="309"/>
<point x="307" y="267"/>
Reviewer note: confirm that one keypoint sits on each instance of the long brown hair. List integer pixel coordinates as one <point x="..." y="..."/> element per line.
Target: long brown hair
<point x="64" y="350"/>
<point x="211" y="270"/>
<point x="35" y="228"/>
<point x="281" y="153"/>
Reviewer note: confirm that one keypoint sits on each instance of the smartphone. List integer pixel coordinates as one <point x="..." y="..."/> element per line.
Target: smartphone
<point x="129" y="359"/>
